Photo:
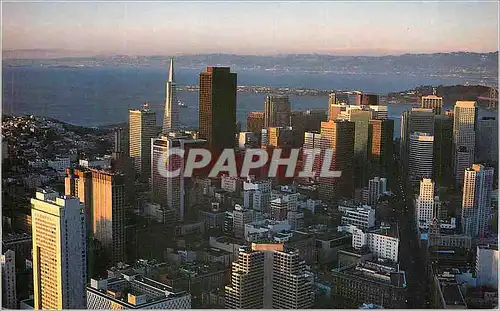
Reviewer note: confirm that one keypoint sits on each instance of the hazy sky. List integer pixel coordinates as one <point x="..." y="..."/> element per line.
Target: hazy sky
<point x="168" y="28"/>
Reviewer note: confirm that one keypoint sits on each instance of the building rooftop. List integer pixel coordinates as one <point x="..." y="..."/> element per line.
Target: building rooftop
<point x="387" y="229"/>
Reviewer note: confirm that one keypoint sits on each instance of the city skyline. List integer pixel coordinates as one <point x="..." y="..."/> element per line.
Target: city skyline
<point x="337" y="28"/>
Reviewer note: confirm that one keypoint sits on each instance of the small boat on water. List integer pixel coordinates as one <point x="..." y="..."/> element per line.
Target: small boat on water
<point x="181" y="104"/>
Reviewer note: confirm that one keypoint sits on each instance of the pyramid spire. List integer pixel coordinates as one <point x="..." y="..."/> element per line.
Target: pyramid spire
<point x="171" y="71"/>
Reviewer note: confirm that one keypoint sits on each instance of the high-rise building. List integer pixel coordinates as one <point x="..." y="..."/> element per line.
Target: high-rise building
<point x="8" y="262"/>
<point x="487" y="140"/>
<point x="369" y="99"/>
<point x="362" y="217"/>
<point x="425" y="204"/>
<point x="241" y="217"/>
<point x="78" y="183"/>
<point x="247" y="140"/>
<point x="339" y="137"/>
<point x="217" y="113"/>
<point x="170" y="191"/>
<point x="292" y="287"/>
<point x="269" y="275"/>
<point x="379" y="112"/>
<point x="487" y="266"/>
<point x="280" y="137"/>
<point x="361" y="119"/>
<point x="464" y="136"/>
<point x="414" y="120"/>
<point x="355" y="98"/>
<point x="420" y="159"/>
<point x="171" y="116"/>
<point x="277" y="111"/>
<point x="433" y="102"/>
<point x="121" y="140"/>
<point x="246" y="290"/>
<point x="476" y="201"/>
<point x="376" y="187"/>
<point x="142" y="124"/>
<point x="255" y="122"/>
<point x="443" y="143"/>
<point x="59" y="251"/>
<point x="380" y="145"/>
<point x="336" y="109"/>
<point x="109" y="203"/>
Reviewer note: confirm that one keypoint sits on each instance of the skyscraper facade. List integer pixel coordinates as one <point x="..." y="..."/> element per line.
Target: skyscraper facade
<point x="476" y="201"/>
<point x="78" y="183"/>
<point x="171" y="117"/>
<point x="380" y="145"/>
<point x="420" y="159"/>
<point x="255" y="122"/>
<point x="9" y="293"/>
<point x="292" y="288"/>
<point x="425" y="207"/>
<point x="487" y="140"/>
<point x="338" y="136"/>
<point x="369" y="99"/>
<point x="433" y="102"/>
<point x="414" y="120"/>
<point x="277" y="111"/>
<point x="59" y="251"/>
<point x="142" y="124"/>
<point x="170" y="191"/>
<point x="464" y="137"/>
<point x="443" y="143"/>
<point x="109" y="203"/>
<point x="217" y="112"/>
<point x="246" y="290"/>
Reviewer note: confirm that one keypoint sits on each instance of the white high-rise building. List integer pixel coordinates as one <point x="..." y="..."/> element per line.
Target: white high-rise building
<point x="171" y="116"/>
<point x="59" y="251"/>
<point x="383" y="242"/>
<point x="376" y="187"/>
<point x="241" y="217"/>
<point x="426" y="204"/>
<point x="464" y="137"/>
<point x="487" y="266"/>
<point x="476" y="200"/>
<point x="362" y="217"/>
<point x="8" y="261"/>
<point x="420" y="160"/>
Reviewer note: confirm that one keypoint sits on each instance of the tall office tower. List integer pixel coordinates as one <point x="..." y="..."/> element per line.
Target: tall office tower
<point x="464" y="137"/>
<point x="355" y="98"/>
<point x="59" y="251"/>
<point x="312" y="140"/>
<point x="255" y="122"/>
<point x="307" y="120"/>
<point x="247" y="140"/>
<point x="339" y="137"/>
<point x="170" y="191"/>
<point x="369" y="99"/>
<point x="425" y="204"/>
<point x="280" y="137"/>
<point x="142" y="128"/>
<point x="121" y="140"/>
<point x="264" y="138"/>
<point x="433" y="102"/>
<point x="171" y="116"/>
<point x="109" y="204"/>
<point x="292" y="288"/>
<point x="217" y="113"/>
<point x="9" y="297"/>
<point x="414" y="120"/>
<point x="78" y="183"/>
<point x="376" y="187"/>
<point x="361" y="120"/>
<point x="420" y="159"/>
<point x="380" y="146"/>
<point x="476" y="201"/>
<point x="379" y="112"/>
<point x="246" y="290"/>
<point x="277" y="111"/>
<point x="487" y="140"/>
<point x="443" y="143"/>
<point x="335" y="110"/>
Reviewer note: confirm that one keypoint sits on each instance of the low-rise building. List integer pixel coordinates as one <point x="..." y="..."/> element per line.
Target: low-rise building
<point x="134" y="292"/>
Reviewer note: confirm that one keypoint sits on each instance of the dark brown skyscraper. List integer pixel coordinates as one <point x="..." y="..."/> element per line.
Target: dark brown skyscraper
<point x="380" y="145"/>
<point x="369" y="99"/>
<point x="339" y="136"/>
<point x="255" y="122"/>
<point x="217" y="113"/>
<point x="443" y="146"/>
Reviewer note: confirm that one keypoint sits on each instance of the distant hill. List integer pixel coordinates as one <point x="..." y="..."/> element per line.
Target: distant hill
<point x="482" y="67"/>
